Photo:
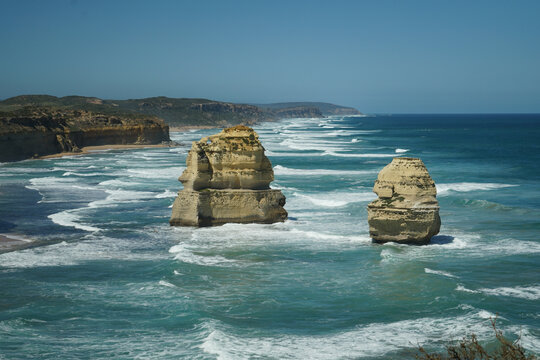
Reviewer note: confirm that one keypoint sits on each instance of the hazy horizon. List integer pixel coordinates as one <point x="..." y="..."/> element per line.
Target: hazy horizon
<point x="379" y="57"/>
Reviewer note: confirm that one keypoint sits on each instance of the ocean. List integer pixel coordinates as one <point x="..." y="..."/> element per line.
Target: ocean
<point x="112" y="279"/>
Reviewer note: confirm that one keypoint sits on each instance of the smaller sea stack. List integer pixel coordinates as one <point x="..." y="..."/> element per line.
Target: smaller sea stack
<point x="407" y="210"/>
<point x="227" y="179"/>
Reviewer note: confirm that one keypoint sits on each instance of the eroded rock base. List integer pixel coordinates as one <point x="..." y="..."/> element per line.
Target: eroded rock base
<point x="212" y="207"/>
<point x="406" y="210"/>
<point x="408" y="226"/>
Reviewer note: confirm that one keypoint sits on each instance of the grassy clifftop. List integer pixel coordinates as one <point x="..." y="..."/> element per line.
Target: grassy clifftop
<point x="325" y="108"/>
<point x="178" y="111"/>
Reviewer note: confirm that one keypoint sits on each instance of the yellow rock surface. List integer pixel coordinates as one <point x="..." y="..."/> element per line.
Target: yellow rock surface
<point x="407" y="210"/>
<point x="227" y="179"/>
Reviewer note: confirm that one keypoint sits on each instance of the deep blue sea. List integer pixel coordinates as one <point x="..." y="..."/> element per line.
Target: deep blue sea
<point x="113" y="280"/>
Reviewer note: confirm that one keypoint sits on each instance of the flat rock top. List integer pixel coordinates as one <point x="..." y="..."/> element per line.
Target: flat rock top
<point x="236" y="138"/>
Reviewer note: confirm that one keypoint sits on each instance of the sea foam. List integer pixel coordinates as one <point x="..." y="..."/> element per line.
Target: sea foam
<point x="285" y="171"/>
<point x="439" y="272"/>
<point x="370" y="340"/>
<point x="443" y="189"/>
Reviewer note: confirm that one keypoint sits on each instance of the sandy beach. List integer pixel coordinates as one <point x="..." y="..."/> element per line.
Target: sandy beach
<point x="89" y="149"/>
<point x="13" y="242"/>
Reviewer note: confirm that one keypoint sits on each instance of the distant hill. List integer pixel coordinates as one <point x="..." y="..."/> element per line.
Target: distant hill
<point x="325" y="108"/>
<point x="174" y="111"/>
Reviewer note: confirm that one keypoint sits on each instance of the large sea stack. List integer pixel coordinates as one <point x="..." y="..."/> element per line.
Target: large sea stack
<point x="227" y="179"/>
<point x="407" y="210"/>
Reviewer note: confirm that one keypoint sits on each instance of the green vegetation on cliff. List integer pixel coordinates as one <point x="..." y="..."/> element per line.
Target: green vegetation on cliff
<point x="180" y="112"/>
<point x="36" y="125"/>
<point x="325" y="108"/>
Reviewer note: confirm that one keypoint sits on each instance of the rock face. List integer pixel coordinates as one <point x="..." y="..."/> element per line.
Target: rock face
<point x="227" y="179"/>
<point x="30" y="132"/>
<point x="407" y="210"/>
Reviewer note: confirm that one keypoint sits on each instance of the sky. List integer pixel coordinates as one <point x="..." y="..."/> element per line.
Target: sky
<point x="433" y="56"/>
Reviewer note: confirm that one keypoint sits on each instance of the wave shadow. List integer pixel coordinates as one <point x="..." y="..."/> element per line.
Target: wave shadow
<point x="441" y="240"/>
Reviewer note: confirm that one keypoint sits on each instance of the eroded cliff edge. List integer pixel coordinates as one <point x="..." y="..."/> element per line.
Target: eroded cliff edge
<point x="37" y="131"/>
<point x="227" y="179"/>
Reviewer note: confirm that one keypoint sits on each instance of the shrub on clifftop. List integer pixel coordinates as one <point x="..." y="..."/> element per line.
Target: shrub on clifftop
<point x="469" y="349"/>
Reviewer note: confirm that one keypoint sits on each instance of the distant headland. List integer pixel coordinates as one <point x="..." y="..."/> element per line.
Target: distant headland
<point x="41" y="125"/>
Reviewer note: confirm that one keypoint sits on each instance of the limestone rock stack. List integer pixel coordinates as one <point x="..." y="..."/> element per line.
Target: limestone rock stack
<point x="227" y="179"/>
<point x="407" y="210"/>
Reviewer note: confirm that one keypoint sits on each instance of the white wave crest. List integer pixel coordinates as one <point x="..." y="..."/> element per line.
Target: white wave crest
<point x="443" y="189"/>
<point x="183" y="253"/>
<point x="292" y="154"/>
<point x="325" y="236"/>
<point x="400" y="151"/>
<point x="91" y="247"/>
<point x="337" y="199"/>
<point x="166" y="194"/>
<point x="156" y="173"/>
<point x="333" y="153"/>
<point x="70" y="219"/>
<point x="166" y="284"/>
<point x="284" y="171"/>
<point x="72" y="173"/>
<point x="522" y="292"/>
<point x="118" y="183"/>
<point x="377" y="339"/>
<point x="439" y="272"/>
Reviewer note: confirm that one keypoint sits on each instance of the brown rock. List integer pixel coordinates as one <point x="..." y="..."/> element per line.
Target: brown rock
<point x="407" y="210"/>
<point x="227" y="180"/>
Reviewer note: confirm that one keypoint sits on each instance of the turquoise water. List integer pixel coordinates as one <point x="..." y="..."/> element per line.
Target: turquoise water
<point x="115" y="281"/>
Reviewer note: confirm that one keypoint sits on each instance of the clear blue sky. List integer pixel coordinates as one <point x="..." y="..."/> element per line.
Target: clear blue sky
<point x="379" y="56"/>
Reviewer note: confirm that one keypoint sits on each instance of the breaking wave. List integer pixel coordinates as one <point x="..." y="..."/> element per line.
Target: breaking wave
<point x="439" y="272"/>
<point x="444" y="189"/>
<point x="333" y="153"/>
<point x="371" y="340"/>
<point x="285" y="171"/>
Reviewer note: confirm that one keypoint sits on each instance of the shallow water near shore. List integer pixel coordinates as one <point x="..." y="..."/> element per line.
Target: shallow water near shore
<point x="114" y="280"/>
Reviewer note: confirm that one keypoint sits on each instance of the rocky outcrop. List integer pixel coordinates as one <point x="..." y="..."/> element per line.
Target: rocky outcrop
<point x="32" y="132"/>
<point x="407" y="210"/>
<point x="227" y="179"/>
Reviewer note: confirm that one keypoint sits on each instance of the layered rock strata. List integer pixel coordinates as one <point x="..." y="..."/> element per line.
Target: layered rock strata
<point x="407" y="210"/>
<point x="32" y="132"/>
<point x="227" y="179"/>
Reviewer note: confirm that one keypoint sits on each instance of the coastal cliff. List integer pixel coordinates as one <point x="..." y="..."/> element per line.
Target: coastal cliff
<point x="38" y="125"/>
<point x="204" y="112"/>
<point x="31" y="132"/>
<point x="227" y="180"/>
<point x="407" y="210"/>
<point x="325" y="109"/>
<point x="181" y="112"/>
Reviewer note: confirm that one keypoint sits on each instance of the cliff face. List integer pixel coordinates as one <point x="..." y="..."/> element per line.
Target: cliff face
<point x="297" y="112"/>
<point x="324" y="109"/>
<point x="407" y="210"/>
<point x="227" y="180"/>
<point x="33" y="132"/>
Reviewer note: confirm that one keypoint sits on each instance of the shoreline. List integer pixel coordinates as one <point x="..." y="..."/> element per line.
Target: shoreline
<point x="12" y="242"/>
<point x="96" y="148"/>
<point x="191" y="127"/>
